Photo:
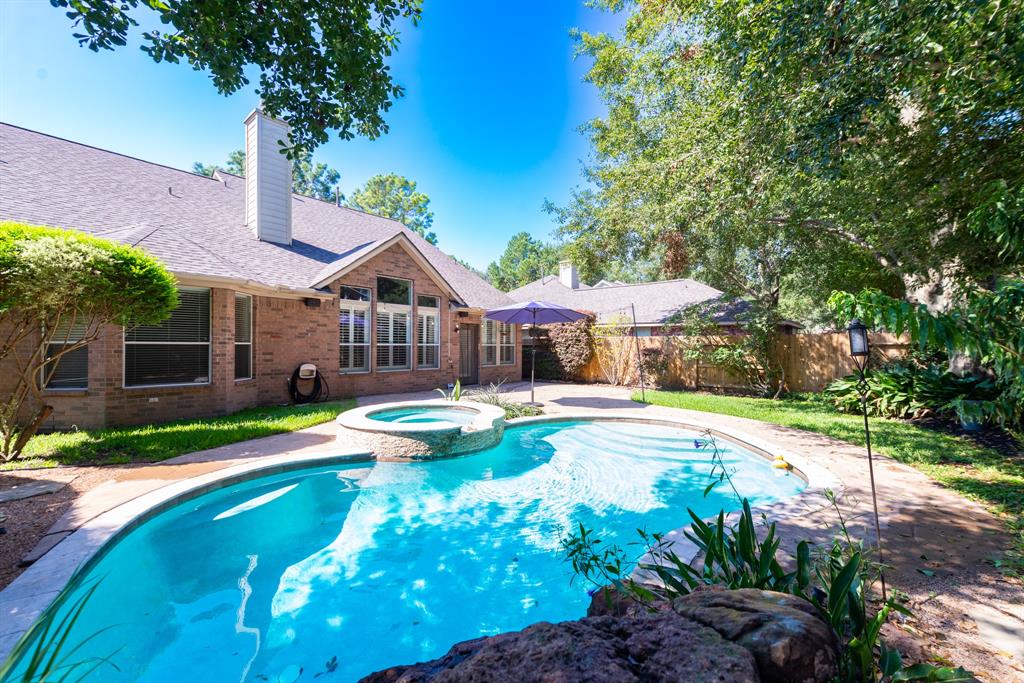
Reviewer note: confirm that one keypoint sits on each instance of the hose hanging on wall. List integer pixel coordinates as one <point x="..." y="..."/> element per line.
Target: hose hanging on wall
<point x="321" y="391"/>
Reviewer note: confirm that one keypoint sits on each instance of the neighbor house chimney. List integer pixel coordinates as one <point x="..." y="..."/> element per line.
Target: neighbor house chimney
<point x="268" y="179"/>
<point x="567" y="275"/>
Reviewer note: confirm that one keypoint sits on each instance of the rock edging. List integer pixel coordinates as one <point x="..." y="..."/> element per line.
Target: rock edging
<point x="740" y="636"/>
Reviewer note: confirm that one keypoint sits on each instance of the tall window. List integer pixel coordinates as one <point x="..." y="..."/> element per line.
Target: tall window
<point x="428" y="332"/>
<point x="177" y="351"/>
<point x="506" y="344"/>
<point x="243" y="336"/>
<point x="489" y="342"/>
<point x="354" y="329"/>
<point x="394" y="311"/>
<point x="392" y="340"/>
<point x="499" y="343"/>
<point x="72" y="369"/>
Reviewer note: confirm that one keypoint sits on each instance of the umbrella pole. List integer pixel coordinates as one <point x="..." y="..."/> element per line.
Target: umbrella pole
<point x="533" y="353"/>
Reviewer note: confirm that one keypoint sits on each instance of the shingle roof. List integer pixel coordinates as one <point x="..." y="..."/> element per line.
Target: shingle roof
<point x="655" y="302"/>
<point x="194" y="224"/>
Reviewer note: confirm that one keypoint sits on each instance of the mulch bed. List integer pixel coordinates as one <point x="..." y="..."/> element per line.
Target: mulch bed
<point x="995" y="438"/>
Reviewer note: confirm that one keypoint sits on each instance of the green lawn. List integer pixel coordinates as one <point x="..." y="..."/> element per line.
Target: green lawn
<point x="977" y="472"/>
<point x="152" y="443"/>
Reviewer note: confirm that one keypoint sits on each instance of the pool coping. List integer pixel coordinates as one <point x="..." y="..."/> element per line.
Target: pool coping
<point x="31" y="593"/>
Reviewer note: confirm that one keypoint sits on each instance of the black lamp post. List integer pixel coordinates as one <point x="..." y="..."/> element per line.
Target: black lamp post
<point x="860" y="349"/>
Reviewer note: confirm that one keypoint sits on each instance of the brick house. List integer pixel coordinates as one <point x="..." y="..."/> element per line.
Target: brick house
<point x="268" y="280"/>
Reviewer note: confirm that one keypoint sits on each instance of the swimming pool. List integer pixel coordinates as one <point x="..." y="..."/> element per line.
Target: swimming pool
<point x="353" y="568"/>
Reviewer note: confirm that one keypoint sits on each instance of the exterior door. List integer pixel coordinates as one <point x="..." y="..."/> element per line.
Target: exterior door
<point x="469" y="354"/>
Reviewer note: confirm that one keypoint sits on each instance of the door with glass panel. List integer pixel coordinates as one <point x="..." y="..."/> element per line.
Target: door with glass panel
<point x="469" y="354"/>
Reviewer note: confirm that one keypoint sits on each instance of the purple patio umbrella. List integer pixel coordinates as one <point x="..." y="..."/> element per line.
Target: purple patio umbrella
<point x="534" y="313"/>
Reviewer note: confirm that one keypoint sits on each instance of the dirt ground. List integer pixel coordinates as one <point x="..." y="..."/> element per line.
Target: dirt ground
<point x="29" y="519"/>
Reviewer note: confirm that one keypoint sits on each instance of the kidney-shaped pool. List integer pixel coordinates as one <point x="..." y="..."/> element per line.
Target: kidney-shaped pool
<point x="352" y="568"/>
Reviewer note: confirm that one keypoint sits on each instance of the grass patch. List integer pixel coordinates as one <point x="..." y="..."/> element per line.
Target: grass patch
<point x="977" y="472"/>
<point x="152" y="443"/>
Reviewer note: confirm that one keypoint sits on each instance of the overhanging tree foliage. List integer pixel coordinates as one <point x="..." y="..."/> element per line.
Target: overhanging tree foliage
<point x="985" y="326"/>
<point x="770" y="138"/>
<point x="321" y="64"/>
<point x="59" y="288"/>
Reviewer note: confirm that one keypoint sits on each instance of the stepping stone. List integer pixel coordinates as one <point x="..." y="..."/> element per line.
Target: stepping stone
<point x="44" y="546"/>
<point x="30" y="489"/>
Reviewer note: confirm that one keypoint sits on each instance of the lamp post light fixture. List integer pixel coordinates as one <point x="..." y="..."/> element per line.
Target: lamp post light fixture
<point x="860" y="349"/>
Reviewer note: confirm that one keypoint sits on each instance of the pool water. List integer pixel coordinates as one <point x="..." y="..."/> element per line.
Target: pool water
<point x="426" y="416"/>
<point x="344" y="570"/>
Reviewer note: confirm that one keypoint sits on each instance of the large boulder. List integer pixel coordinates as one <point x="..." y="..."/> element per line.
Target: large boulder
<point x="654" y="648"/>
<point x="787" y="637"/>
<point x="710" y="635"/>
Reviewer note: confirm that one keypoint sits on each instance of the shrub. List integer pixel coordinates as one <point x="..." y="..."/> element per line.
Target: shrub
<point x="905" y="390"/>
<point x="54" y="282"/>
<point x="749" y="355"/>
<point x="492" y="395"/>
<point x="573" y="345"/>
<point x="986" y="326"/>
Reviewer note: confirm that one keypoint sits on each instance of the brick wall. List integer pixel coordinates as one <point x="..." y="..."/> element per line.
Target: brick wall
<point x="286" y="333"/>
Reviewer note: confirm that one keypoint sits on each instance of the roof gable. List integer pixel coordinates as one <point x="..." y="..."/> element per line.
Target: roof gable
<point x="365" y="252"/>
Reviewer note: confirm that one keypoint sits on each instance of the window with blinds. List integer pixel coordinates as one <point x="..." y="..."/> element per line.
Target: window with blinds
<point x="489" y="343"/>
<point x="393" y="339"/>
<point x="177" y="351"/>
<point x="506" y="344"/>
<point x="428" y="333"/>
<point x="354" y="330"/>
<point x="243" y="336"/>
<point x="66" y="369"/>
<point x="499" y="343"/>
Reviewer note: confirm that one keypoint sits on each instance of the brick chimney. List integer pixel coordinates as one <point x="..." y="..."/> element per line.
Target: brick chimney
<point x="567" y="275"/>
<point x="268" y="179"/>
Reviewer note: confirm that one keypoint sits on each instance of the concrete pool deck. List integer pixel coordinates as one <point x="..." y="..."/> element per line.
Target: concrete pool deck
<point x="928" y="529"/>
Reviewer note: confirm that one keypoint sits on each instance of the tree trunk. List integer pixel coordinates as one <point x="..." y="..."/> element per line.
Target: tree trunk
<point x="44" y="412"/>
<point x="933" y="292"/>
<point x="936" y="293"/>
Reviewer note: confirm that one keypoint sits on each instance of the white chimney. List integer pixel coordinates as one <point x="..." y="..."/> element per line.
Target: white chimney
<point x="268" y="179"/>
<point x="567" y="275"/>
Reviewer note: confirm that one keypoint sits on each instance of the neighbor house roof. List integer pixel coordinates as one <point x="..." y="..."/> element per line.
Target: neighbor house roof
<point x="196" y="224"/>
<point x="656" y="302"/>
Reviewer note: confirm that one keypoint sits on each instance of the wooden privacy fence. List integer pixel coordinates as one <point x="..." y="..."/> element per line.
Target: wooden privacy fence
<point x="810" y="361"/>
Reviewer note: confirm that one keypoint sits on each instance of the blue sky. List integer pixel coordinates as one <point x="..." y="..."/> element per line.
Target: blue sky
<point x="488" y="126"/>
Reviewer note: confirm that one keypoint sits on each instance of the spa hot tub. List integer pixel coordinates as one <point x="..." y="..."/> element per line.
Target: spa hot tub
<point x="420" y="430"/>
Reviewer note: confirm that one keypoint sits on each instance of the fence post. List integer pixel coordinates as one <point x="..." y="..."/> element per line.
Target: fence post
<point x="639" y="357"/>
